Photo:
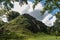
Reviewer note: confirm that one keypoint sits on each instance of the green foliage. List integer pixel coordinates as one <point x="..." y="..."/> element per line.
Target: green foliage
<point x="3" y="11"/>
<point x="1" y="23"/>
<point x="11" y="15"/>
<point x="57" y="24"/>
<point x="7" y="4"/>
<point x="51" y="5"/>
<point x="35" y="3"/>
<point x="22" y="26"/>
<point x="18" y="25"/>
<point x="18" y="29"/>
<point x="15" y="29"/>
<point x="55" y="30"/>
<point x="7" y="35"/>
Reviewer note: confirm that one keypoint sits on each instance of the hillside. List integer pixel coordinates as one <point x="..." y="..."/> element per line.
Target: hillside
<point x="24" y="27"/>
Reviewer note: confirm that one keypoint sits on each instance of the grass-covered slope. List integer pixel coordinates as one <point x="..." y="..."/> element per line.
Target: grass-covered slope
<point x="18" y="25"/>
<point x="15" y="29"/>
<point x="24" y="27"/>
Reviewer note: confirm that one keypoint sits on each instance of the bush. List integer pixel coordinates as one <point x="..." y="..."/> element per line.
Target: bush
<point x="1" y="23"/>
<point x="11" y="15"/>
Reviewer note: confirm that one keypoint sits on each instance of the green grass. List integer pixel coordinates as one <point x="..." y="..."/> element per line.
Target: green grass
<point x="44" y="37"/>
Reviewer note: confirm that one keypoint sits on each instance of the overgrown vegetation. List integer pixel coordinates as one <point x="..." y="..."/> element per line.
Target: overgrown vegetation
<point x="24" y="27"/>
<point x="11" y="15"/>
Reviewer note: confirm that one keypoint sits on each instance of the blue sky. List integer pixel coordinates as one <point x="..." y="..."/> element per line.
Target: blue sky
<point x="58" y="2"/>
<point x="56" y="10"/>
<point x="31" y="0"/>
<point x="53" y="11"/>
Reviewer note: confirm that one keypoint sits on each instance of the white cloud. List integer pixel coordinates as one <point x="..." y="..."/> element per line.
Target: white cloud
<point x="34" y="13"/>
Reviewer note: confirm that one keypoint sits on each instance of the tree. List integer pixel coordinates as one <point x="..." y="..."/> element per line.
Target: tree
<point x="35" y="3"/>
<point x="1" y="23"/>
<point x="7" y="4"/>
<point x="57" y="24"/>
<point x="12" y="15"/>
